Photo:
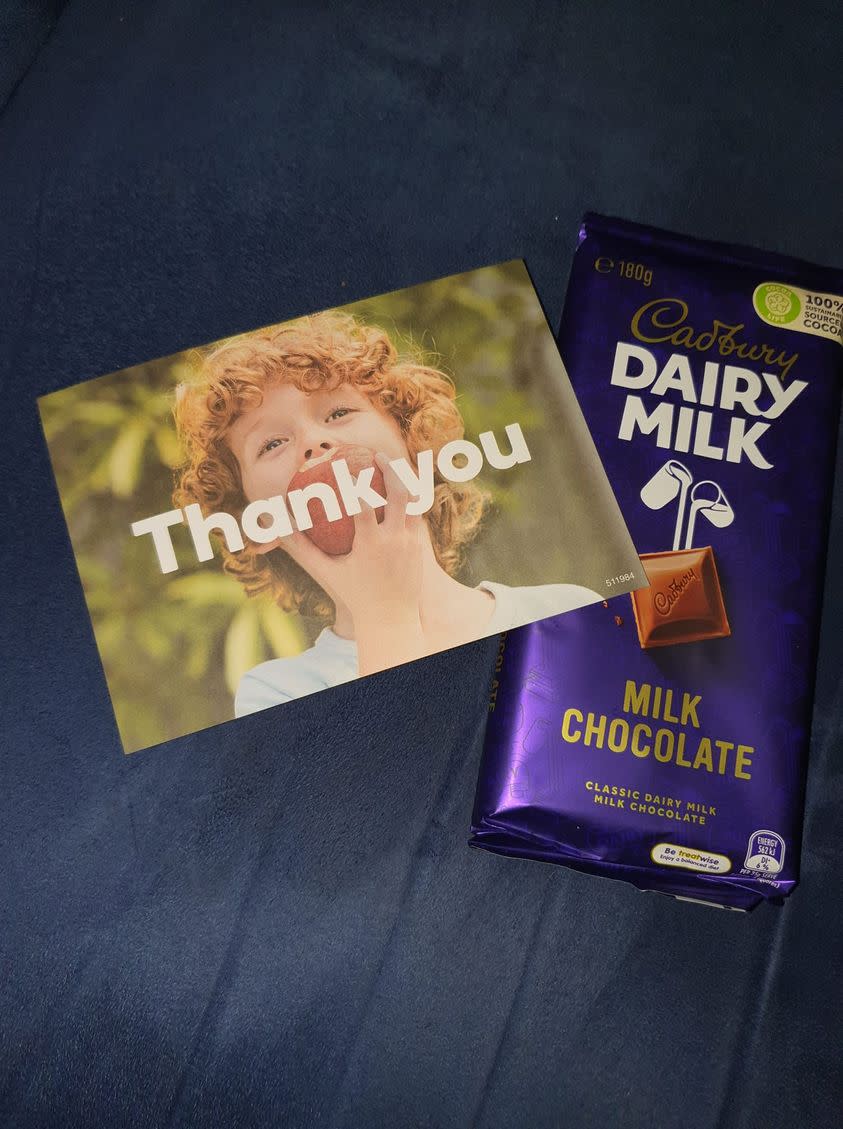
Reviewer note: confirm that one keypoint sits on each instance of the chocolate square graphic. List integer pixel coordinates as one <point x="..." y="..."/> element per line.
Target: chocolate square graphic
<point x="684" y="603"/>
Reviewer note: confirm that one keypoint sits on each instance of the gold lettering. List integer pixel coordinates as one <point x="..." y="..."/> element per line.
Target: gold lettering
<point x="668" y="702"/>
<point x="742" y="761"/>
<point x="637" y="750"/>
<point x="704" y="757"/>
<point x="657" y="701"/>
<point x="659" y="306"/>
<point x="567" y="735"/>
<point x="680" y="753"/>
<point x="663" y="737"/>
<point x="595" y="729"/>
<point x="664" y="319"/>
<point x="724" y="747"/>
<point x="635" y="699"/>
<point x="618" y="726"/>
<point x="689" y="709"/>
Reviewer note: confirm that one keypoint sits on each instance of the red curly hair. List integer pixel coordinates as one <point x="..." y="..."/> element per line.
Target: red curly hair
<point x="313" y="353"/>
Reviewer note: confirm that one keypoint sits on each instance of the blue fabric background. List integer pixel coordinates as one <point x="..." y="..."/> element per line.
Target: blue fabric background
<point x="278" y="922"/>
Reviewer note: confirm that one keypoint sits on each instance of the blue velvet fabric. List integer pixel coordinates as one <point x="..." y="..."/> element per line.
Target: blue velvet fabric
<point x="278" y="922"/>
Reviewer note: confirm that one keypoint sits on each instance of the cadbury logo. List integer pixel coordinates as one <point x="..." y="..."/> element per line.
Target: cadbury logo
<point x="665" y="319"/>
<point x="664" y="601"/>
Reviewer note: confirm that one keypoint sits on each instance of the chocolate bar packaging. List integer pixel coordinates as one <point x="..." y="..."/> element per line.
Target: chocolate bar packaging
<point x="662" y="737"/>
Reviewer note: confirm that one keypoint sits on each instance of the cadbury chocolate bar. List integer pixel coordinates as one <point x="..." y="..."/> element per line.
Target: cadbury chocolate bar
<point x="664" y="741"/>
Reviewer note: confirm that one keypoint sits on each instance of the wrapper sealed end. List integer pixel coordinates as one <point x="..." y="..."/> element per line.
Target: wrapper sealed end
<point x="632" y="789"/>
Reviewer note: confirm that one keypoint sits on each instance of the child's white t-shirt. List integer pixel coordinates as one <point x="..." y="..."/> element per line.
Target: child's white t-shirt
<point x="333" y="660"/>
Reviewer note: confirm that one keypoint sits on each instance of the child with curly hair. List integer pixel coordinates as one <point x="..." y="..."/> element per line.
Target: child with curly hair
<point x="268" y="404"/>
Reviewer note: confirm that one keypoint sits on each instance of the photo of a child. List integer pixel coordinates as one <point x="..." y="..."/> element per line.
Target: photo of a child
<point x="275" y="402"/>
<point x="295" y="507"/>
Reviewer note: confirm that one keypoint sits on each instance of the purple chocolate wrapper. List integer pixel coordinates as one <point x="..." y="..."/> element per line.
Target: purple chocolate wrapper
<point x="663" y="739"/>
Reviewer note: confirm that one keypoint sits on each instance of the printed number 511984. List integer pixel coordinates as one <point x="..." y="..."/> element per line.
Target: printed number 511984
<point x="611" y="581"/>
